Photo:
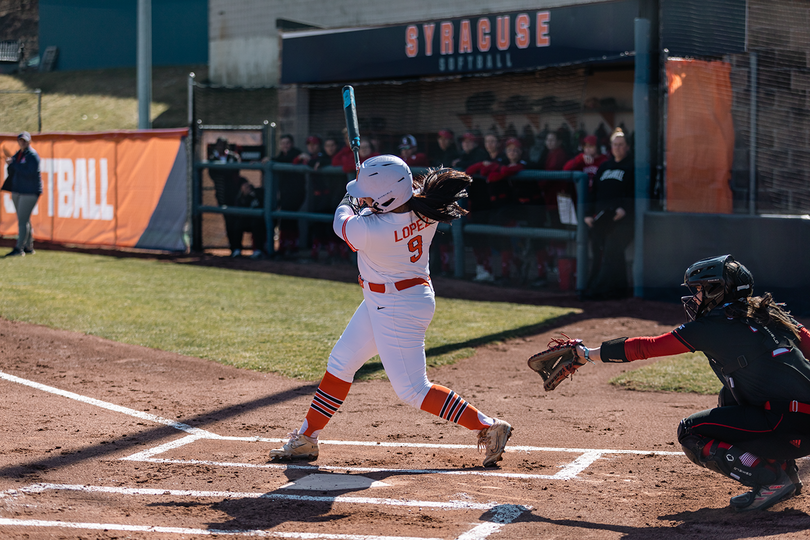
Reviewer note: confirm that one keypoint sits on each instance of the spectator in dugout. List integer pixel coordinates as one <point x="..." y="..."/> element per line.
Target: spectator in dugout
<point x="410" y="154"/>
<point x="492" y="198"/>
<point x="227" y="185"/>
<point x="471" y="151"/>
<point x="330" y="148"/>
<point x="588" y="161"/>
<point x="609" y="217"/>
<point x="291" y="195"/>
<point x="314" y="157"/>
<point x="344" y="158"/>
<point x="519" y="196"/>
<point x="448" y="152"/>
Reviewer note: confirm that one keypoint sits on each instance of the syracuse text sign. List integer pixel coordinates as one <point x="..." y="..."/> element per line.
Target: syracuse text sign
<point x="480" y="44"/>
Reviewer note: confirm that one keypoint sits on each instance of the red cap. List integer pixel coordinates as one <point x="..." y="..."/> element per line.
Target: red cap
<point x="446" y="134"/>
<point x="469" y="136"/>
<point x="590" y="140"/>
<point x="513" y="142"/>
<point x="313" y="139"/>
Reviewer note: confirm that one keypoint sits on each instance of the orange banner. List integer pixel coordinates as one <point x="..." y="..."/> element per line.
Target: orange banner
<point x="103" y="188"/>
<point x="700" y="137"/>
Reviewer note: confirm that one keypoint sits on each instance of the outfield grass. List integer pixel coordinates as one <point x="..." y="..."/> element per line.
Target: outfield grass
<point x="252" y="320"/>
<point x="689" y="372"/>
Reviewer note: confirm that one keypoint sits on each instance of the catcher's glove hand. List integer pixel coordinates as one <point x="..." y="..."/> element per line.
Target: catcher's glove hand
<point x="558" y="362"/>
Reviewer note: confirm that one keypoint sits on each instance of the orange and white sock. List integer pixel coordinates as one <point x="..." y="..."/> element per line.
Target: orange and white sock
<point x="446" y="404"/>
<point x="327" y="400"/>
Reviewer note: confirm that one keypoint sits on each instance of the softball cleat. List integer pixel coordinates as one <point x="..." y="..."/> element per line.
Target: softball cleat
<point x="763" y="497"/>
<point x="494" y="439"/>
<point x="298" y="447"/>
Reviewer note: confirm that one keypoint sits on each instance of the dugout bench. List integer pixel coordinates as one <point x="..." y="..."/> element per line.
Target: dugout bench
<point x="458" y="228"/>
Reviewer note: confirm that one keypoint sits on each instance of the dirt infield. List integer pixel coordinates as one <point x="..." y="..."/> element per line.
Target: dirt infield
<point x="103" y="440"/>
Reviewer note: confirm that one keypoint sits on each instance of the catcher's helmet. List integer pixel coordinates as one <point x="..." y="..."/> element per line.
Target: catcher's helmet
<point x="721" y="279"/>
<point x="387" y="179"/>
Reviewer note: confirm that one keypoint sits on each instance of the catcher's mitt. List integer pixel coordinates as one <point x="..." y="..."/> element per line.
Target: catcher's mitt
<point x="558" y="362"/>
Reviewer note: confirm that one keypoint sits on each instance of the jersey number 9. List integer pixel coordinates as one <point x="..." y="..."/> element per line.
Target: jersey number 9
<point x="415" y="247"/>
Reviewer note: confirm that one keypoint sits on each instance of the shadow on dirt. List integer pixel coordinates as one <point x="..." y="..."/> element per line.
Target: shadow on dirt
<point x="152" y="436"/>
<point x="704" y="523"/>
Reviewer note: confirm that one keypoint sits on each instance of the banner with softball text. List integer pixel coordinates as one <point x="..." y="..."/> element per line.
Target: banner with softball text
<point x="120" y="188"/>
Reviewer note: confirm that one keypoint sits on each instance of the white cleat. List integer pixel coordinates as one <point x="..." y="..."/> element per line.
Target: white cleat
<point x="298" y="447"/>
<point x="494" y="439"/>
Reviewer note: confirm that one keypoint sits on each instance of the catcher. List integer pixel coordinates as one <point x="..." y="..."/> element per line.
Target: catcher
<point x="759" y="352"/>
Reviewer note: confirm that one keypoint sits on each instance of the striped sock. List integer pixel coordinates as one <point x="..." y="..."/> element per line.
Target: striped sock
<point x="328" y="398"/>
<point x="446" y="404"/>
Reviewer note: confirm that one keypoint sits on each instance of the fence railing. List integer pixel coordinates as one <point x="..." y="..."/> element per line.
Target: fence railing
<point x="458" y="228"/>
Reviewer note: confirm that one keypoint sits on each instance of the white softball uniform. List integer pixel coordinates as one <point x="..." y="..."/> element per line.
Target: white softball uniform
<point x="392" y="253"/>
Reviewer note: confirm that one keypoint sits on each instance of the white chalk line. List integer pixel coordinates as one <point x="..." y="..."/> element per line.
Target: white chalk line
<point x="568" y="472"/>
<point x="201" y="532"/>
<point x="501" y="514"/>
<point x="109" y="406"/>
<point x="286" y="466"/>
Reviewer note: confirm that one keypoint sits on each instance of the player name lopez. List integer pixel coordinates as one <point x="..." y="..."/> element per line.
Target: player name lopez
<point x="408" y="230"/>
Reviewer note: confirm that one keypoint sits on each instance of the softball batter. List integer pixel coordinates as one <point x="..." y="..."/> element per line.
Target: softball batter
<point x="391" y="234"/>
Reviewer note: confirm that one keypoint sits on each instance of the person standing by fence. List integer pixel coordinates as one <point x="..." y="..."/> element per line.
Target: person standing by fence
<point x="26" y="187"/>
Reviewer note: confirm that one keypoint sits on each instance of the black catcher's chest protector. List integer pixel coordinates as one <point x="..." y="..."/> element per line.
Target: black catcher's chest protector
<point x="756" y="363"/>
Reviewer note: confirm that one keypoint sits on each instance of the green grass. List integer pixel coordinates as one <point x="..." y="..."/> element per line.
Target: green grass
<point x="689" y="372"/>
<point x="94" y="100"/>
<point x="252" y="320"/>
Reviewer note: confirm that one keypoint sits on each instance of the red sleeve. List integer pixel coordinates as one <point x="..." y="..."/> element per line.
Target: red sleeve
<point x="475" y="168"/>
<point x="504" y="171"/>
<point x="337" y="159"/>
<point x="667" y="344"/>
<point x="574" y="164"/>
<point x="804" y="343"/>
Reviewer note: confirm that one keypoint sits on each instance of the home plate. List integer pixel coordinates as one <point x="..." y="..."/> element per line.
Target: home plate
<point x="333" y="482"/>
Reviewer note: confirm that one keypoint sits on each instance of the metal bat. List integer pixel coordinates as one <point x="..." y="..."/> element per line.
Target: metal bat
<point x="350" y="110"/>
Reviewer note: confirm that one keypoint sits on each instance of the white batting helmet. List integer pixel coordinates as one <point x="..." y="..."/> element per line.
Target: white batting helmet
<point x="386" y="179"/>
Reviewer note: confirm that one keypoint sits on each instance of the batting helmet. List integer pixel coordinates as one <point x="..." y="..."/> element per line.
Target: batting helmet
<point x="386" y="179"/>
<point x="721" y="279"/>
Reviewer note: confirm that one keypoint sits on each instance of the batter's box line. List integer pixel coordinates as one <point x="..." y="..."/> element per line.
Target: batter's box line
<point x="501" y="514"/>
<point x="569" y="471"/>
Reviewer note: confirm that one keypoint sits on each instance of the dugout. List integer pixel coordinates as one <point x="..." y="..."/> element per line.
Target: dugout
<point x="713" y="94"/>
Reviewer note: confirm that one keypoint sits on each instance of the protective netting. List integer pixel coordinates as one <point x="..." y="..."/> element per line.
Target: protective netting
<point x="223" y="105"/>
<point x="19" y="112"/>
<point x="738" y="126"/>
<point x="570" y="101"/>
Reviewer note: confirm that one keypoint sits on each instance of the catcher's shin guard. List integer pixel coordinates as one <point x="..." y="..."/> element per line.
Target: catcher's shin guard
<point x="727" y="459"/>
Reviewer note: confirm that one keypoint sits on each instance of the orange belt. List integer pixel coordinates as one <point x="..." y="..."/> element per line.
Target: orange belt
<point x="399" y="285"/>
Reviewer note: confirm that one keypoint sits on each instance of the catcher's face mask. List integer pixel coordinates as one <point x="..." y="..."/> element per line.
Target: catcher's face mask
<point x="691" y="303"/>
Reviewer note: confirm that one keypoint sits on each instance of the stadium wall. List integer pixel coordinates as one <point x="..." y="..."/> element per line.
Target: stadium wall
<point x="765" y="244"/>
<point x="98" y="34"/>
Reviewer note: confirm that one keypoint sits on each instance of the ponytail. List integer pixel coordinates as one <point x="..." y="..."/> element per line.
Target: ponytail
<point x="763" y="310"/>
<point x="437" y="194"/>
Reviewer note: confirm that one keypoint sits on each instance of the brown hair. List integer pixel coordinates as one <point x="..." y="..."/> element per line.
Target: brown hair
<point x="763" y="310"/>
<point x="437" y="194"/>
